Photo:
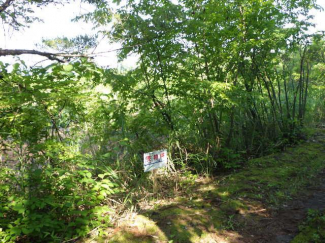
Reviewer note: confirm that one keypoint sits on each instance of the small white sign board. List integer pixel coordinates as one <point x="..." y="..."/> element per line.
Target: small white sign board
<point x="154" y="160"/>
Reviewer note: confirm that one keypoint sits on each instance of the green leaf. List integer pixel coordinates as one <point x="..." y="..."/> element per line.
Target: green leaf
<point x="27" y="231"/>
<point x="15" y="231"/>
<point x="68" y="68"/>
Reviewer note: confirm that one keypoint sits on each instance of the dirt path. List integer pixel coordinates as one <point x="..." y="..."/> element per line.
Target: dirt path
<point x="281" y="225"/>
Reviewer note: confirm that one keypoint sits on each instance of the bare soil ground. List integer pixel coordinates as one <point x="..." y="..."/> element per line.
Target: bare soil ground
<point x="281" y="225"/>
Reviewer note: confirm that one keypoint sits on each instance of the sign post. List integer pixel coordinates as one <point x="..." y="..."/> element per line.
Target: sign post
<point x="152" y="161"/>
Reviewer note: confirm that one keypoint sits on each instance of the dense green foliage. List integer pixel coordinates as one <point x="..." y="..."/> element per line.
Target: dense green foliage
<point x="217" y="82"/>
<point x="49" y="190"/>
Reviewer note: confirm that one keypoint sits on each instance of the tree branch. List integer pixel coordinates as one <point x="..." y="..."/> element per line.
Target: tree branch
<point x="49" y="55"/>
<point x="5" y="5"/>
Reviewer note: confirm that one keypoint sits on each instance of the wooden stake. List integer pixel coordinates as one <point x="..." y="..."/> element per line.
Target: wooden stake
<point x="154" y="180"/>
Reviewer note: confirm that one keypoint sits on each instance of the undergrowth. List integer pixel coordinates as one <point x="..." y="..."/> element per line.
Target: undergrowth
<point x="313" y="229"/>
<point x="193" y="208"/>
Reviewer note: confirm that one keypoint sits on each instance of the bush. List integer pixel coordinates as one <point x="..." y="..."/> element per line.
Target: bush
<point x="53" y="204"/>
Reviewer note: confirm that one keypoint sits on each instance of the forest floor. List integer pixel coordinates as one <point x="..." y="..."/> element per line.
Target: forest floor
<point x="273" y="199"/>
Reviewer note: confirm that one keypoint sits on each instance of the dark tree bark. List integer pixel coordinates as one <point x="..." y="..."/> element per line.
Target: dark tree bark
<point x="5" y="5"/>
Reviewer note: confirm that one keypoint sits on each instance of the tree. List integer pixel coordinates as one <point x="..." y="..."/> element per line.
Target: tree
<point x="216" y="67"/>
<point x="20" y="14"/>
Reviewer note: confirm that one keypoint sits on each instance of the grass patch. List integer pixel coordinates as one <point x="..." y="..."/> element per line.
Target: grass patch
<point x="313" y="230"/>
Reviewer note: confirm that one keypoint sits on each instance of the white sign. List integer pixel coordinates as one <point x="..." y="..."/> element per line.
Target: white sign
<point x="154" y="160"/>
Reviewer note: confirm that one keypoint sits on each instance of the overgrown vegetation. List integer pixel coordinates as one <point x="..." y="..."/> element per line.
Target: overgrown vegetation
<point x="217" y="83"/>
<point x="205" y="209"/>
